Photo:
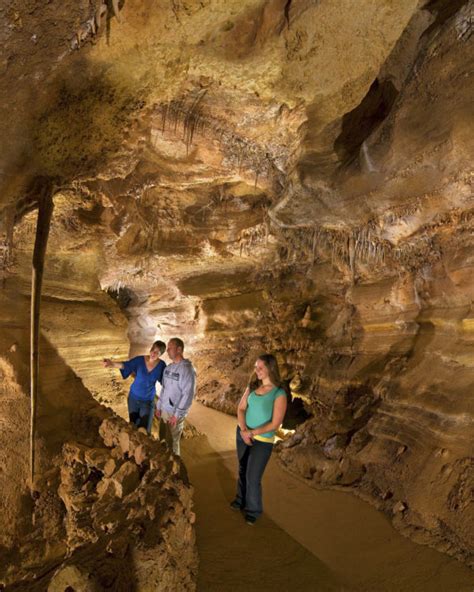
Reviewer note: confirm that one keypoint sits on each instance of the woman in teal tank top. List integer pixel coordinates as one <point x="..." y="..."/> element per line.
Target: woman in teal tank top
<point x="260" y="412"/>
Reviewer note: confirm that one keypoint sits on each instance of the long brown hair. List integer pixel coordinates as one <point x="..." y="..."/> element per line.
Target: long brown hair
<point x="273" y="372"/>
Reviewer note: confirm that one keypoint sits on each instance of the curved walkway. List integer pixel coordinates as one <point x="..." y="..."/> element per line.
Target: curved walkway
<point x="307" y="540"/>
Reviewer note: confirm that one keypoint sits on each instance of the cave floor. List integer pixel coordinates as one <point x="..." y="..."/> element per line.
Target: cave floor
<point x="307" y="539"/>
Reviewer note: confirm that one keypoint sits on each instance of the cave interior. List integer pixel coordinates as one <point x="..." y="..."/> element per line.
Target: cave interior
<point x="285" y="176"/>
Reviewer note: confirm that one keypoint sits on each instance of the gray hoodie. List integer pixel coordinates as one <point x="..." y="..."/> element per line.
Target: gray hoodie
<point x="179" y="385"/>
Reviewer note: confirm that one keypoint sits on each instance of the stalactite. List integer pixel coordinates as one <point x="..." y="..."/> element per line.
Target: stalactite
<point x="116" y="10"/>
<point x="352" y="259"/>
<point x="192" y="119"/>
<point x="239" y="150"/>
<point x="164" y="115"/>
<point x="314" y="245"/>
<point x="91" y="28"/>
<point x="45" y="210"/>
<point x="98" y="16"/>
<point x="256" y="178"/>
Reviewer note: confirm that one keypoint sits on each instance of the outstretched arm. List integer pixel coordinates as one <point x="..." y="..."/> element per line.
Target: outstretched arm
<point x="108" y="363"/>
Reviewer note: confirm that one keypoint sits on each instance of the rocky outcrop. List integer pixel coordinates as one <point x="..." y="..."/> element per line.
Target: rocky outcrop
<point x="382" y="341"/>
<point x="126" y="510"/>
<point x="109" y="507"/>
<point x="129" y="503"/>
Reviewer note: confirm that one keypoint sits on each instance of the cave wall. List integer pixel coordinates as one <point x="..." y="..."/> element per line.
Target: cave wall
<point x="109" y="507"/>
<point x="283" y="176"/>
<point x="384" y="348"/>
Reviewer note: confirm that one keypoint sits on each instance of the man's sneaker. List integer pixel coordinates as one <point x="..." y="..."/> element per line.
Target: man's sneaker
<point x="250" y="519"/>
<point x="235" y="505"/>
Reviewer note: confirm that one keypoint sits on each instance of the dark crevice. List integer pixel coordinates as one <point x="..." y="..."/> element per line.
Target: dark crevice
<point x="287" y="12"/>
<point x="123" y="296"/>
<point x="444" y="10"/>
<point x="296" y="414"/>
<point x="358" y="124"/>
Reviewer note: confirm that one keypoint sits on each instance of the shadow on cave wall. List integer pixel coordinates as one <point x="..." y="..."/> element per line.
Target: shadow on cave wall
<point x="67" y="412"/>
<point x="75" y="127"/>
<point x="296" y="414"/>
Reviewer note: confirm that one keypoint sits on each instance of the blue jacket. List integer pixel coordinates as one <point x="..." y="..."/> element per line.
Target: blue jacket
<point x="143" y="386"/>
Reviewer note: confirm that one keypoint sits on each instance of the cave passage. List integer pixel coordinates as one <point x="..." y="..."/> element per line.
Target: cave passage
<point x="307" y="539"/>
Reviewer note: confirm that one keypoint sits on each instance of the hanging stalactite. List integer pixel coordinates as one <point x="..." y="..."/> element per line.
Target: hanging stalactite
<point x="45" y="210"/>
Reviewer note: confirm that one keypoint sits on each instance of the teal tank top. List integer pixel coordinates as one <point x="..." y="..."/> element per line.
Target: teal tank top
<point x="260" y="411"/>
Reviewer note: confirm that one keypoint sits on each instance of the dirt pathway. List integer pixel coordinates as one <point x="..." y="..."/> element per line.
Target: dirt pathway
<point x="307" y="540"/>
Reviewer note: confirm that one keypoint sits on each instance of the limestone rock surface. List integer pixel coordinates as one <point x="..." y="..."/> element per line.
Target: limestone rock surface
<point x="261" y="175"/>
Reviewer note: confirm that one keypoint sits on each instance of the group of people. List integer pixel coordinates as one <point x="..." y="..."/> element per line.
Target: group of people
<point x="178" y="381"/>
<point x="259" y="414"/>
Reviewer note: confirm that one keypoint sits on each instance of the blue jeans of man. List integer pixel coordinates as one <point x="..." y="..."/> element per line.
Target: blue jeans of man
<point x="140" y="413"/>
<point x="252" y="462"/>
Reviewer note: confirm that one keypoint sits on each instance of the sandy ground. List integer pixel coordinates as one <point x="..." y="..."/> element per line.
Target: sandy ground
<point x="307" y="540"/>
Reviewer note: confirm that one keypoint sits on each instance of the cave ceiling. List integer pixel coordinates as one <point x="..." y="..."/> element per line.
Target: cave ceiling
<point x="200" y="151"/>
<point x="182" y="136"/>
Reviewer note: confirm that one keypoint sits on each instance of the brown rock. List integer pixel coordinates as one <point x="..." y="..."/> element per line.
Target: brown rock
<point x="399" y="507"/>
<point x="109" y="467"/>
<point x="97" y="457"/>
<point x="327" y="219"/>
<point x="70" y="577"/>
<point x="140" y="454"/>
<point x="124" y="442"/>
<point x="335" y="446"/>
<point x="126" y="479"/>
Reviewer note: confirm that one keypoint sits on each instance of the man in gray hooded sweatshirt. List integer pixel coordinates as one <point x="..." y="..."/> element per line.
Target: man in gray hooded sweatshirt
<point x="177" y="394"/>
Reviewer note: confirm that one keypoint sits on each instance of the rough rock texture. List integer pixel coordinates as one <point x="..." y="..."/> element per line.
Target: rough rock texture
<point x="289" y="176"/>
<point x="110" y="507"/>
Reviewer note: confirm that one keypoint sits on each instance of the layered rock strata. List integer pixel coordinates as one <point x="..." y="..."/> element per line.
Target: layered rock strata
<point x="270" y="175"/>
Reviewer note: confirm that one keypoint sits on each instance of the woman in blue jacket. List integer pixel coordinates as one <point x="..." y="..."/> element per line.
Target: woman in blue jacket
<point x="260" y="412"/>
<point x="147" y="371"/>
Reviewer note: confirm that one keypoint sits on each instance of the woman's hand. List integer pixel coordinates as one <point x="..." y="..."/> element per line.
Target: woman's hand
<point x="108" y="363"/>
<point x="247" y="437"/>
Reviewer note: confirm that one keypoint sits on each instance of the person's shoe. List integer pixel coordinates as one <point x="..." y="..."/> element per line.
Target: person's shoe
<point x="235" y="505"/>
<point x="250" y="519"/>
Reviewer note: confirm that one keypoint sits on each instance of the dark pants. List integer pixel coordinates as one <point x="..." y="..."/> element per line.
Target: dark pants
<point x="140" y="413"/>
<point x="252" y="462"/>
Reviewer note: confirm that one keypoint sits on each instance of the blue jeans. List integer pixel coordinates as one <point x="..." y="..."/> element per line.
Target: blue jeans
<point x="141" y="413"/>
<point x="252" y="462"/>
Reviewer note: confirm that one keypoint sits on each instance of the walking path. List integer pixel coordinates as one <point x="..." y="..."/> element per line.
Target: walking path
<point x="307" y="540"/>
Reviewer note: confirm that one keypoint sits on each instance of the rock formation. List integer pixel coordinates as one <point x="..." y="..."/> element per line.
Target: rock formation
<point x="110" y="508"/>
<point x="279" y="175"/>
